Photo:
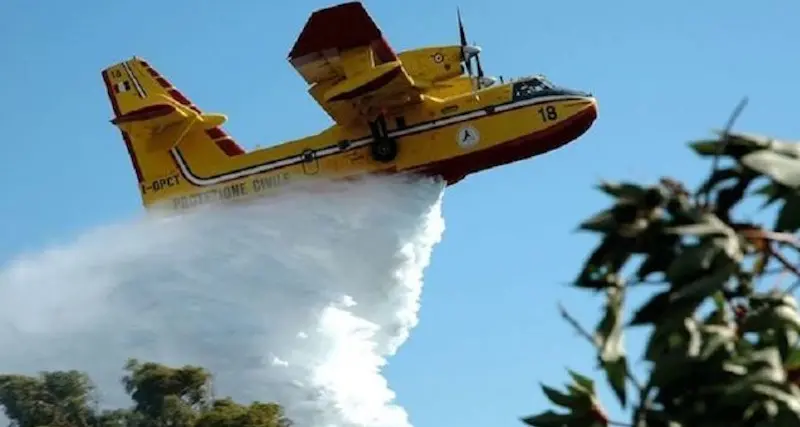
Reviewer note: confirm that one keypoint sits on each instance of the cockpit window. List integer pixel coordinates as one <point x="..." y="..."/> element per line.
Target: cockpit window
<point x="531" y="87"/>
<point x="543" y="80"/>
<point x="537" y="86"/>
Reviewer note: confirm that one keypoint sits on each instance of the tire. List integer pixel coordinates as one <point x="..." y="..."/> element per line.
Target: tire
<point x="384" y="150"/>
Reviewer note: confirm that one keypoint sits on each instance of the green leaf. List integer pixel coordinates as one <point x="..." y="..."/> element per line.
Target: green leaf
<point x="562" y="399"/>
<point x="602" y="222"/>
<point x="747" y="139"/>
<point x="717" y="338"/>
<point x="787" y="313"/>
<point x="549" y="419"/>
<point x="622" y="190"/>
<point x="765" y="366"/>
<point x="583" y="394"/>
<point x="691" y="262"/>
<point x="655" y="262"/>
<point x="720" y="315"/>
<point x="793" y="361"/>
<point x="758" y="408"/>
<point x="706" y="285"/>
<point x="777" y="313"/>
<point x="784" y="170"/>
<point x="789" y="216"/>
<point x="583" y="381"/>
<point x="790" y="401"/>
<point x="605" y="261"/>
<point x="767" y="190"/>
<point x="670" y="369"/>
<point x="790" y="149"/>
<point x="737" y="143"/>
<point x="617" y="372"/>
<point x="660" y="310"/>
<point x="707" y="224"/>
<point x="674" y="338"/>
<point x="705" y="147"/>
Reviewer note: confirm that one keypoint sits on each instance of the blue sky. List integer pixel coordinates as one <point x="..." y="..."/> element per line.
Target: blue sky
<point x="663" y="73"/>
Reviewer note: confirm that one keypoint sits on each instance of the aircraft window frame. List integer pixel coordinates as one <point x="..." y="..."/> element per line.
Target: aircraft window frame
<point x="543" y="80"/>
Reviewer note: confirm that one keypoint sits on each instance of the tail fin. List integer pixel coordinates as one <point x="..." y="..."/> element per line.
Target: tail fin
<point x="155" y="118"/>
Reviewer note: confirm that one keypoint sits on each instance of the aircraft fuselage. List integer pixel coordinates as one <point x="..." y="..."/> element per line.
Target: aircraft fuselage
<point x="465" y="136"/>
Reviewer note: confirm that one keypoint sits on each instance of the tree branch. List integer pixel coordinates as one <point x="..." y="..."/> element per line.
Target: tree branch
<point x="788" y="266"/>
<point x="577" y="326"/>
<point x="755" y="233"/>
<point x="785" y="262"/>
<point x="721" y="149"/>
<point x="589" y="337"/>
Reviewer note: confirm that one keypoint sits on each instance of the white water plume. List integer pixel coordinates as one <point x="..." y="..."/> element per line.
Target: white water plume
<point x="297" y="299"/>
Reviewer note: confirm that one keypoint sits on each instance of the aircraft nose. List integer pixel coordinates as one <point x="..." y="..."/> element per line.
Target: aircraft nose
<point x="591" y="101"/>
<point x="591" y="105"/>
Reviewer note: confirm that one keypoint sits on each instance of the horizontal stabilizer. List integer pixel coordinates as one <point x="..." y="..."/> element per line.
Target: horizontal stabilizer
<point x="168" y="120"/>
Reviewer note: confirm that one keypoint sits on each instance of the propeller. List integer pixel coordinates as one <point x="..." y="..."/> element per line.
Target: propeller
<point x="467" y="51"/>
<point x="470" y="51"/>
<point x="480" y="69"/>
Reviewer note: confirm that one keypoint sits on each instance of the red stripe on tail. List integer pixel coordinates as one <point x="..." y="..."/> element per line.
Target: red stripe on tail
<point x="220" y="137"/>
<point x="125" y="137"/>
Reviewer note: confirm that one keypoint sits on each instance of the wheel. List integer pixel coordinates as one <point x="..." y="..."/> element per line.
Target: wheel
<point x="384" y="149"/>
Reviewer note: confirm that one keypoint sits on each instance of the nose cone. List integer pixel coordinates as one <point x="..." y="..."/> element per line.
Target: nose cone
<point x="591" y="106"/>
<point x="586" y="106"/>
<point x="583" y="116"/>
<point x="587" y="102"/>
<point x="470" y="50"/>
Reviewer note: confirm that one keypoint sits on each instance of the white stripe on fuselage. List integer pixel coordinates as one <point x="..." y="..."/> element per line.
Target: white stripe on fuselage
<point x="352" y="145"/>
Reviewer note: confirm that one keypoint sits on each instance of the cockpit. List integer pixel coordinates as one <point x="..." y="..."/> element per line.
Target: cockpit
<point x="539" y="85"/>
<point x="529" y="87"/>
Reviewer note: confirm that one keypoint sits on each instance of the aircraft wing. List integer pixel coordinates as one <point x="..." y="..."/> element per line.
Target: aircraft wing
<point x="352" y="70"/>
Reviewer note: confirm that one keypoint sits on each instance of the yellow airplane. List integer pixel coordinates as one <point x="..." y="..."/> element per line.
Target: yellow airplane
<point x="410" y="112"/>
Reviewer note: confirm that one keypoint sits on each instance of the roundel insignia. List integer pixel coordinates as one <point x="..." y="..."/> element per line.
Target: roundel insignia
<point x="438" y="57"/>
<point x="467" y="136"/>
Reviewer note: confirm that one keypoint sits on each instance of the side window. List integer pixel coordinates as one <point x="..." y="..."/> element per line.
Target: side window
<point x="523" y="90"/>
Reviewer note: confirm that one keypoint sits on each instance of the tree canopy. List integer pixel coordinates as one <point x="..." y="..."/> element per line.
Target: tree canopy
<point x="161" y="395"/>
<point x="723" y="343"/>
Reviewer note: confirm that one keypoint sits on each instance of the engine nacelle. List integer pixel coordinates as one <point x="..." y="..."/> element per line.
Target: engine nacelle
<point x="432" y="64"/>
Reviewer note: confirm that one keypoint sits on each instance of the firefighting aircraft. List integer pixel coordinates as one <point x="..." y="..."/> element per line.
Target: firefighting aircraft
<point x="415" y="111"/>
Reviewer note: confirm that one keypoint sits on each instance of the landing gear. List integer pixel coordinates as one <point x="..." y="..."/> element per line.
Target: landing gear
<point x="384" y="147"/>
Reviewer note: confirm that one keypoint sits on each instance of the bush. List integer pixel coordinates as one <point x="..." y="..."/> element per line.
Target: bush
<point x="722" y="350"/>
<point x="162" y="396"/>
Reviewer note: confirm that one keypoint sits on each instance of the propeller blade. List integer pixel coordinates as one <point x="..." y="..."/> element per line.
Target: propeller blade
<point x="461" y="32"/>
<point x="478" y="63"/>
<point x="463" y="41"/>
<point x="480" y="72"/>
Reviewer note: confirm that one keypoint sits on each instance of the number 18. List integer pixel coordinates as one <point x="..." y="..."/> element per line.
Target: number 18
<point x="548" y="113"/>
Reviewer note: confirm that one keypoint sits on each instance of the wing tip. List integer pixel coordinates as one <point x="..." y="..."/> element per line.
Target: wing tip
<point x="323" y="30"/>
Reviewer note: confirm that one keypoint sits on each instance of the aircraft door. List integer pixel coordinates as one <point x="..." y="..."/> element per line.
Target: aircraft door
<point x="310" y="162"/>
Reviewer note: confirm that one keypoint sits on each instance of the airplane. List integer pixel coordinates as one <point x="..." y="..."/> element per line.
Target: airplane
<point x="421" y="111"/>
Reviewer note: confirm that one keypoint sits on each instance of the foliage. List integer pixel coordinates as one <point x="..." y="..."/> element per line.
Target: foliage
<point x="162" y="396"/>
<point x="721" y="351"/>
